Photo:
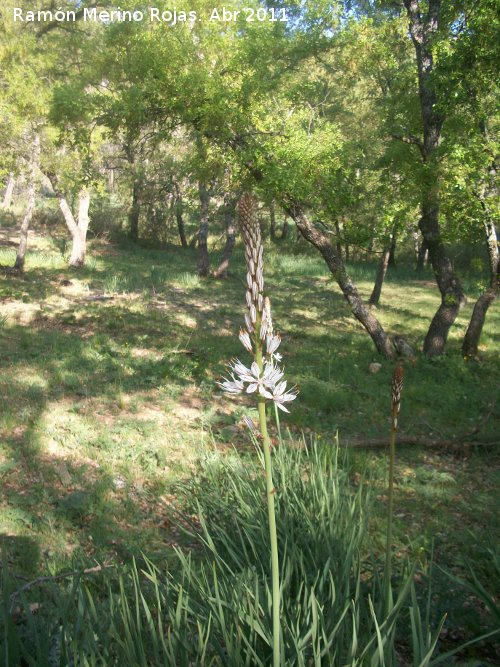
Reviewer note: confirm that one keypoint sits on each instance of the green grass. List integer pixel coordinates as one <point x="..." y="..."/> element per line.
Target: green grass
<point x="109" y="400"/>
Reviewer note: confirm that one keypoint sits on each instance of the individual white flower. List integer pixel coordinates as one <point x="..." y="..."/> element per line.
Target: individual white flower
<point x="272" y="343"/>
<point x="272" y="375"/>
<point x="245" y="374"/>
<point x="281" y="396"/>
<point x="234" y="386"/>
<point x="245" y="340"/>
<point x="248" y="324"/>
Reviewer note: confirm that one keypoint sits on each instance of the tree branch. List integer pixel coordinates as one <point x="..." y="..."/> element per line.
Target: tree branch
<point x="411" y="139"/>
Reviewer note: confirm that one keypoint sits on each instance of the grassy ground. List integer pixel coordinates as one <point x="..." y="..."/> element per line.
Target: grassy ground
<point x="109" y="398"/>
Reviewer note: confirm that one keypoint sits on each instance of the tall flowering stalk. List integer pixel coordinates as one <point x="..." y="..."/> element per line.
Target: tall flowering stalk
<point x="397" y="386"/>
<point x="264" y="377"/>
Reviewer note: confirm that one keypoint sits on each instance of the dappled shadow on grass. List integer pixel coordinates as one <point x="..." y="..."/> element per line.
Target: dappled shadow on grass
<point x="89" y="376"/>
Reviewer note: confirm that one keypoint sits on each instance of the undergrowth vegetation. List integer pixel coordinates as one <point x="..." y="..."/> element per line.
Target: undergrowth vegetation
<point x="212" y="605"/>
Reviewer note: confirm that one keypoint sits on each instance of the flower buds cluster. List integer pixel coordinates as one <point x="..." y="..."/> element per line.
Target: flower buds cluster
<point x="266" y="379"/>
<point x="254" y="250"/>
<point x="397" y="386"/>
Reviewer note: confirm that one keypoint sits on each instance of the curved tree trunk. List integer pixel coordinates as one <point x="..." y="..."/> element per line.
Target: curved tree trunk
<point x="379" y="280"/>
<point x="473" y="334"/>
<point x="229" y="217"/>
<point x="424" y="23"/>
<point x="77" y="228"/>
<point x="9" y="191"/>
<point x="28" y="216"/>
<point x="359" y="309"/>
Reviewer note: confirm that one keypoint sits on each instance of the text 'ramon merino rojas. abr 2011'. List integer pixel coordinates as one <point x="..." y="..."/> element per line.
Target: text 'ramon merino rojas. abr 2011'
<point x="152" y="14"/>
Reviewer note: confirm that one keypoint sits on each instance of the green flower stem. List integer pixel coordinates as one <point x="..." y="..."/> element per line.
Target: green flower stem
<point x="275" y="573"/>
<point x="390" y="511"/>
<point x="278" y="426"/>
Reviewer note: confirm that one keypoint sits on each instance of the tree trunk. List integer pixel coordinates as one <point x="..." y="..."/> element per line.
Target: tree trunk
<point x="77" y="228"/>
<point x="9" y="190"/>
<point x="284" y="229"/>
<point x="423" y="254"/>
<point x="392" y="250"/>
<point x="203" y="260"/>
<point x="79" y="234"/>
<point x="416" y="245"/>
<point x="422" y="30"/>
<point x="379" y="280"/>
<point x="135" y="210"/>
<point x="28" y="216"/>
<point x="180" y="220"/>
<point x="229" y="211"/>
<point x="360" y="311"/>
<point x="475" y="328"/>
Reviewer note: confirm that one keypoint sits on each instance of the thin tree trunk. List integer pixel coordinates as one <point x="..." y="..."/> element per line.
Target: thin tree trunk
<point x="423" y="27"/>
<point x="359" y="309"/>
<point x="379" y="280"/>
<point x="9" y="190"/>
<point x="28" y="216"/>
<point x="203" y="259"/>
<point x="79" y="233"/>
<point x="180" y="220"/>
<point x="229" y="218"/>
<point x="423" y="254"/>
<point x="135" y="210"/>
<point x="392" y="250"/>
<point x="284" y="229"/>
<point x="416" y="245"/>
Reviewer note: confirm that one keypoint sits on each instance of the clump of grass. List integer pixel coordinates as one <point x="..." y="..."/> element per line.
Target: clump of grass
<point x="213" y="605"/>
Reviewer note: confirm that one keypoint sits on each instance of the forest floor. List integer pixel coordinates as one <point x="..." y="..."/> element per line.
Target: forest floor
<point x="109" y="400"/>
